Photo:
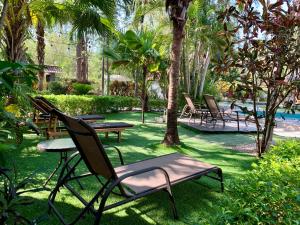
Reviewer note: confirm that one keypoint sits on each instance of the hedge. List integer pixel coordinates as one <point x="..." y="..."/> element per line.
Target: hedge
<point x="269" y="193"/>
<point x="88" y="104"/>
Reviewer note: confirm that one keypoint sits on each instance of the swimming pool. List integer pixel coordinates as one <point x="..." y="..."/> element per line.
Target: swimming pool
<point x="286" y="116"/>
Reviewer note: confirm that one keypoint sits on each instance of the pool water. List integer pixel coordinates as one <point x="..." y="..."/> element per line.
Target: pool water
<point x="286" y="116"/>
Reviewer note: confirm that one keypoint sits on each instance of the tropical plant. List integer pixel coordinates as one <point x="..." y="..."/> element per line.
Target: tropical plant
<point x="264" y="47"/>
<point x="137" y="50"/>
<point x="44" y="13"/>
<point x="177" y="11"/>
<point x="268" y="193"/>
<point x="88" y="18"/>
<point x="11" y="198"/>
<point x="202" y="45"/>
<point x="16" y="81"/>
<point x="16" y="23"/>
<point x="57" y="88"/>
<point x="81" y="89"/>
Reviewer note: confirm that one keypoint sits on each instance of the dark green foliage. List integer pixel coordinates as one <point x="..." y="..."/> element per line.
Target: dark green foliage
<point x="81" y="89"/>
<point x="11" y="198"/>
<point x="269" y="193"/>
<point x="57" y="88"/>
<point x="74" y="104"/>
<point x="16" y="80"/>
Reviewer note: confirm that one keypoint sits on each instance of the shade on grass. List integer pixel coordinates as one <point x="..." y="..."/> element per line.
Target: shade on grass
<point x="196" y="201"/>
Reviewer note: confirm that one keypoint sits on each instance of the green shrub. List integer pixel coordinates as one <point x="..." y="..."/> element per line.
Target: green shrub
<point x="89" y="104"/>
<point x="57" y="88"/>
<point x="81" y="89"/>
<point x="269" y="193"/>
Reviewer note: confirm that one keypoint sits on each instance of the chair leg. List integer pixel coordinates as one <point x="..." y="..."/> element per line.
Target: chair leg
<point x="220" y="174"/>
<point x="173" y="205"/>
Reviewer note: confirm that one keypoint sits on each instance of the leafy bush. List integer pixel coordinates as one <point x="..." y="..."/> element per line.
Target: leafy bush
<point x="269" y="193"/>
<point x="57" y="88"/>
<point x="121" y="88"/>
<point x="11" y="198"/>
<point x="81" y="89"/>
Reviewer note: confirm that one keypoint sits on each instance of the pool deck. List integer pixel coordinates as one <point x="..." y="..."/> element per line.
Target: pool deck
<point x="284" y="128"/>
<point x="288" y="128"/>
<point x="230" y="127"/>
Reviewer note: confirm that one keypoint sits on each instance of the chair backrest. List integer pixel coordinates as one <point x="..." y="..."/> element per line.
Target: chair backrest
<point x="88" y="144"/>
<point x="43" y="105"/>
<point x="46" y="102"/>
<point x="212" y="106"/>
<point x="189" y="101"/>
<point x="36" y="105"/>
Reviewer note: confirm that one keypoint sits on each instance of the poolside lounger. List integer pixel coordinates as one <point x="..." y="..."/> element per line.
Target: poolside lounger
<point x="48" y="105"/>
<point x="216" y="114"/>
<point x="192" y="110"/>
<point x="132" y="181"/>
<point x="54" y="129"/>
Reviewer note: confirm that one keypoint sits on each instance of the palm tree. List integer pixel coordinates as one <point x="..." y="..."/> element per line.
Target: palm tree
<point x="3" y="13"/>
<point x="16" y="23"/>
<point x="88" y="18"/>
<point x="45" y="13"/>
<point x="136" y="50"/>
<point x="177" y="10"/>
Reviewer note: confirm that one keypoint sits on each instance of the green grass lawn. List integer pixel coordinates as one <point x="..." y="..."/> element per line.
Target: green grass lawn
<point x="196" y="202"/>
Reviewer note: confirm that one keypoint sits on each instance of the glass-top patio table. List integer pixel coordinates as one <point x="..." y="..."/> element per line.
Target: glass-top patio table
<point x="62" y="146"/>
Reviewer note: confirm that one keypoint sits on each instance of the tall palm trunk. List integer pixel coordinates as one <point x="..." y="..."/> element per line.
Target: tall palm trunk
<point x="107" y="77"/>
<point x="103" y="77"/>
<point x="144" y="97"/>
<point x="171" y="135"/>
<point x="177" y="11"/>
<point x="40" y="31"/>
<point x="204" y="72"/>
<point x="82" y="61"/>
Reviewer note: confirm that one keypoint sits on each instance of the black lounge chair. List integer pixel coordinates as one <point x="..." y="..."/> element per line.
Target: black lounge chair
<point x="192" y="110"/>
<point x="54" y="129"/>
<point x="89" y="117"/>
<point x="133" y="180"/>
<point x="216" y="114"/>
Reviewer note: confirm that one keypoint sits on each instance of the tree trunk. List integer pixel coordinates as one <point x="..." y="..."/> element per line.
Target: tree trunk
<point x="40" y="33"/>
<point x="103" y="77"/>
<point x="136" y="85"/>
<point x="143" y="95"/>
<point x="107" y="77"/>
<point x="186" y="73"/>
<point x="195" y="67"/>
<point x="82" y="61"/>
<point x="203" y="73"/>
<point x="171" y="135"/>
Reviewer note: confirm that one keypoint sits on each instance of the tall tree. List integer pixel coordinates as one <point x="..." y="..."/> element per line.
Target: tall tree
<point x="137" y="50"/>
<point x="44" y="13"/>
<point x="177" y="11"/>
<point x="266" y="54"/>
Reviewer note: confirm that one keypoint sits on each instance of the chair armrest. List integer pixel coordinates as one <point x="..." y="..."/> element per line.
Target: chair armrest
<point x="107" y="147"/>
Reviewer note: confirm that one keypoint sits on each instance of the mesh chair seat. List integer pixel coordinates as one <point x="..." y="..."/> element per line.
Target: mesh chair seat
<point x="179" y="168"/>
<point x="90" y="117"/>
<point x="110" y="125"/>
